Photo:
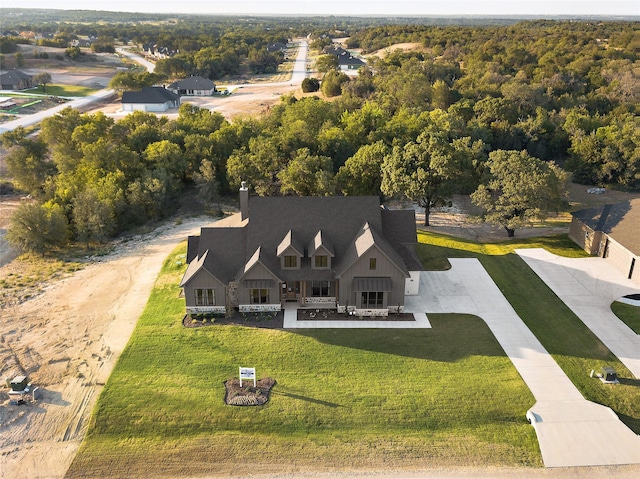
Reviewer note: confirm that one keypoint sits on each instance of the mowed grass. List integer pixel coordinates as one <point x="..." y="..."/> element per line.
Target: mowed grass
<point x="628" y="313"/>
<point x="67" y="90"/>
<point x="574" y="347"/>
<point x="344" y="399"/>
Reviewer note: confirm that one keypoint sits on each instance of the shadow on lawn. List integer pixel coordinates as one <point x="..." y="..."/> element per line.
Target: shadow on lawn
<point x="451" y="338"/>
<point x="307" y="399"/>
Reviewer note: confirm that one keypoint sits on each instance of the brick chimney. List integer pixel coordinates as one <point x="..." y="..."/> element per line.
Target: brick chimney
<point x="244" y="200"/>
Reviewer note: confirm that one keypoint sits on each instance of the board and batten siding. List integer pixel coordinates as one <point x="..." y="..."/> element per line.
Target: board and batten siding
<point x="256" y="273"/>
<point x="385" y="268"/>
<point x="585" y="237"/>
<point x="204" y="280"/>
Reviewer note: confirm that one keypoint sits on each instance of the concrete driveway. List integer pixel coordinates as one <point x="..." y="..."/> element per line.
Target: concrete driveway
<point x="571" y="430"/>
<point x="588" y="286"/>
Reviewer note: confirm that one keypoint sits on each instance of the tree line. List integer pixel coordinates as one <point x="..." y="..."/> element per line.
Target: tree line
<point x="495" y="115"/>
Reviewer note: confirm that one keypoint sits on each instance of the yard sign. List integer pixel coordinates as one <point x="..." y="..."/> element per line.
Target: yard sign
<point x="248" y="373"/>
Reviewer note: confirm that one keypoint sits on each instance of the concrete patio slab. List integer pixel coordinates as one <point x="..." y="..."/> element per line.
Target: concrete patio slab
<point x="588" y="286"/>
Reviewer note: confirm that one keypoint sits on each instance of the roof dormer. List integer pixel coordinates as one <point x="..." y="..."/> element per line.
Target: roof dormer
<point x="320" y="251"/>
<point x="290" y="252"/>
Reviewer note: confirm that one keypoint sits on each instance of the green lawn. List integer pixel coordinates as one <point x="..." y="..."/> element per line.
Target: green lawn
<point x="445" y="397"/>
<point x="627" y="313"/>
<point x="574" y="347"/>
<point x="66" y="90"/>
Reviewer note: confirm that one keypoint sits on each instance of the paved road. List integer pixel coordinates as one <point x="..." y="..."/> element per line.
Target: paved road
<point x="588" y="286"/>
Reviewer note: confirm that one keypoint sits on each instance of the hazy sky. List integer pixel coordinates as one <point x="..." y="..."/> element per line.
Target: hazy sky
<point x="355" y="7"/>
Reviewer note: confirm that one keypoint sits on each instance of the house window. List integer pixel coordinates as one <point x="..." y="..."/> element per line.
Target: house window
<point x="290" y="261"/>
<point x="259" y="296"/>
<point x="372" y="299"/>
<point x="319" y="288"/>
<point x="205" y="297"/>
<point x="321" y="261"/>
<point x="372" y="263"/>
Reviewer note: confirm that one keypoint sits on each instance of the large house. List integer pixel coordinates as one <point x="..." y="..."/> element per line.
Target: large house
<point x="193" y="86"/>
<point x="344" y="253"/>
<point x="150" y="98"/>
<point x="347" y="63"/>
<point x="612" y="232"/>
<point x="15" y="80"/>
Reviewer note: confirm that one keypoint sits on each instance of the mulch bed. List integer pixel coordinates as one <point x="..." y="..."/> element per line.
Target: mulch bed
<point x="252" y="320"/>
<point x="247" y="395"/>
<point x="333" y="315"/>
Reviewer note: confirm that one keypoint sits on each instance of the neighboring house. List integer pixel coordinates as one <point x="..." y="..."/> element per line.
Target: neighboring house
<point x="346" y="61"/>
<point x="276" y="47"/>
<point x="15" y="80"/>
<point x="346" y="252"/>
<point x="158" y="51"/>
<point x="612" y="232"/>
<point x="193" y="86"/>
<point x="151" y="99"/>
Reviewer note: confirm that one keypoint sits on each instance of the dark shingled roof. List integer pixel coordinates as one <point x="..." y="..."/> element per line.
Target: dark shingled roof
<point x="150" y="94"/>
<point x="620" y="221"/>
<point x="343" y="221"/>
<point x="14" y="76"/>
<point x="193" y="83"/>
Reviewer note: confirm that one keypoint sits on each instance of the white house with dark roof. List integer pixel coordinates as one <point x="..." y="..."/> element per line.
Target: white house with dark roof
<point x="152" y="99"/>
<point x="346" y="253"/>
<point x="612" y="232"/>
<point x="193" y="86"/>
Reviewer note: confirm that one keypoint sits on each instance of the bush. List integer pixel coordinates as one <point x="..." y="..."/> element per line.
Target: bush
<point x="310" y="85"/>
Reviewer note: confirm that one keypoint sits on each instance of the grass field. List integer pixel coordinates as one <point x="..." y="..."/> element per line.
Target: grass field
<point x="368" y="398"/>
<point x="377" y="399"/>
<point x="627" y="313"/>
<point x="68" y="90"/>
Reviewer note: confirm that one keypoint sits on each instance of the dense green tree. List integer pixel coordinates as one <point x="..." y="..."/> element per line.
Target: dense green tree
<point x="423" y="171"/>
<point x="42" y="79"/>
<point x="310" y="85"/>
<point x="326" y="63"/>
<point x="26" y="161"/>
<point x="519" y="189"/>
<point x="307" y="175"/>
<point x="38" y="228"/>
<point x="332" y="83"/>
<point x="361" y="174"/>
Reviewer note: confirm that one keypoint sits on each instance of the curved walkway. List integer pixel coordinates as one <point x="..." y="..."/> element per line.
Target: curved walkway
<point x="588" y="286"/>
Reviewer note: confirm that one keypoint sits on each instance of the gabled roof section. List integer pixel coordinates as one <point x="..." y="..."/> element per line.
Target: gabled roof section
<point x="620" y="221"/>
<point x="193" y="268"/>
<point x="289" y="241"/>
<point x="258" y="257"/>
<point x="194" y="82"/>
<point x="224" y="248"/>
<point x="366" y="239"/>
<point x="320" y="241"/>
<point x="151" y="94"/>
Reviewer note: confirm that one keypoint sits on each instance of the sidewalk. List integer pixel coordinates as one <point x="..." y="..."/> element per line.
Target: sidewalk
<point x="588" y="286"/>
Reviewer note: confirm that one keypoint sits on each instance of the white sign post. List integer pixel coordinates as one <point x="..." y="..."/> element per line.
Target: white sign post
<point x="248" y="373"/>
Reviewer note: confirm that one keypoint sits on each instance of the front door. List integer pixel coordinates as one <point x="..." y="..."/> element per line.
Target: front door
<point x="291" y="291"/>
